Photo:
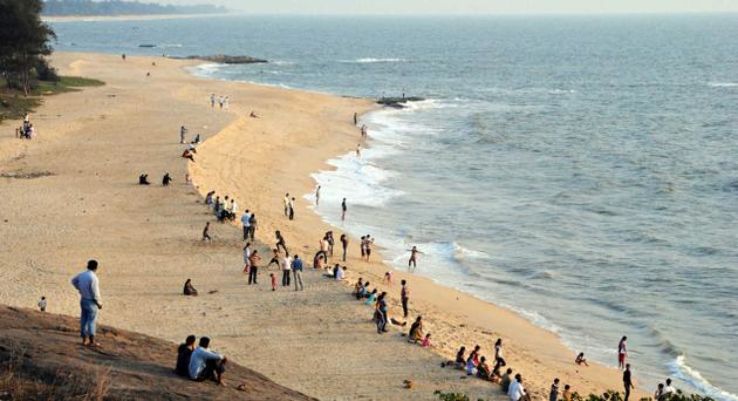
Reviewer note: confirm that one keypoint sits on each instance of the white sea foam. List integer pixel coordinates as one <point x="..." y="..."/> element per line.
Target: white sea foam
<point x="370" y="60"/>
<point x="681" y="370"/>
<point x="723" y="84"/>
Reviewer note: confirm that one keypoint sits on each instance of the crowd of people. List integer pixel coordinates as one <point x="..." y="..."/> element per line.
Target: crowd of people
<point x="201" y="363"/>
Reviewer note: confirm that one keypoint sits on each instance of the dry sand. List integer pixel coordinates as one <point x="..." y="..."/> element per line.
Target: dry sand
<point x="93" y="145"/>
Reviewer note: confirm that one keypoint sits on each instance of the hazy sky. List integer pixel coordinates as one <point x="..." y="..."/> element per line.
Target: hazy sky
<point x="469" y="6"/>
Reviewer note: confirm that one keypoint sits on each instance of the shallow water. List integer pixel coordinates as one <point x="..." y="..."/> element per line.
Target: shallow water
<point x="580" y="170"/>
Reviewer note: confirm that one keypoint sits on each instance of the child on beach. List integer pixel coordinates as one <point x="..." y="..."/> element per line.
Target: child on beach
<point x="461" y="358"/>
<point x="388" y="278"/>
<point x="273" y="278"/>
<point x="426" y="343"/>
<point x="42" y="304"/>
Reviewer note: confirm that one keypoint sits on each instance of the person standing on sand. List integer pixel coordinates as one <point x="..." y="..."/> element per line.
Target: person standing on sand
<point x="292" y="208"/>
<point x="627" y="382"/>
<point x="287" y="204"/>
<point x="212" y="100"/>
<point x="286" y="264"/>
<point x="206" y="232"/>
<point x="89" y="290"/>
<point x="246" y="256"/>
<point x="368" y="246"/>
<point x="344" y="245"/>
<point x="344" y="208"/>
<point x="356" y="118"/>
<point x="252" y="226"/>
<point x="254" y="266"/>
<point x="182" y="133"/>
<point x="297" y="271"/>
<point x="553" y="395"/>
<point x="404" y="297"/>
<point x="413" y="257"/>
<point x="42" y="304"/>
<point x="363" y="247"/>
<point x="358" y="150"/>
<point x="381" y="314"/>
<point x="622" y="352"/>
<point x="317" y="195"/>
<point x="246" y="222"/>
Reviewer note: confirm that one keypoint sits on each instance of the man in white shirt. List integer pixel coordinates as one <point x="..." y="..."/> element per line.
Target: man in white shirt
<point x="89" y="290"/>
<point x="206" y="364"/>
<point x="246" y="222"/>
<point x="516" y="391"/>
<point x="285" y="262"/>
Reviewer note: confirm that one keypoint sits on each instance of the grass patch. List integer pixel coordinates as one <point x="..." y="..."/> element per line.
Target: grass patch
<point x="14" y="104"/>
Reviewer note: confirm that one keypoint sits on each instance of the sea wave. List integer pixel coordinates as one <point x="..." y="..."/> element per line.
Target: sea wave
<point x="723" y="84"/>
<point x="679" y="368"/>
<point x="370" y="60"/>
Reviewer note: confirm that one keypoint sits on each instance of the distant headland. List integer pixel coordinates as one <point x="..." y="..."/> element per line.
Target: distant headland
<point x="60" y="8"/>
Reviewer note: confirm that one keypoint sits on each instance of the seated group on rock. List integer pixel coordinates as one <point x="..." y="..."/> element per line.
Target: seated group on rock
<point x="200" y="363"/>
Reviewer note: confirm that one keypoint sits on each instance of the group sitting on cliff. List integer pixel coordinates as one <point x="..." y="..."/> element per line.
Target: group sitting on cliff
<point x="200" y="363"/>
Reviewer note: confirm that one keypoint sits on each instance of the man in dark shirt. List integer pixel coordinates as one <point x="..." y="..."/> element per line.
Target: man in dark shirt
<point x="627" y="382"/>
<point x="184" y="352"/>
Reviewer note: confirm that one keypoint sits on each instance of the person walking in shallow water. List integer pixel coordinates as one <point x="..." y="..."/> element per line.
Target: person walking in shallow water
<point x="317" y="195"/>
<point x="622" y="352"/>
<point x="344" y="208"/>
<point x="90" y="302"/>
<point x="413" y="261"/>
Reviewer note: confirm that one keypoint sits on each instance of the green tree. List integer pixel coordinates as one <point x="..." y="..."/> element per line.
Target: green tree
<point x="24" y="40"/>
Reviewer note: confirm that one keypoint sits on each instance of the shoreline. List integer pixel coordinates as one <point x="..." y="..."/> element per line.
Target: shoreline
<point x="497" y="316"/>
<point x="139" y="228"/>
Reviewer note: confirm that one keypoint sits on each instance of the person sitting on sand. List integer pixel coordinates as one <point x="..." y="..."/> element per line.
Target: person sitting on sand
<point x="357" y="287"/>
<point x="506" y="379"/>
<point x="363" y="291"/>
<point x="166" y="180"/>
<point x="516" y="391"/>
<point x="253" y="115"/>
<point x="658" y="395"/>
<point x="184" y="355"/>
<point x="483" y="370"/>
<point x="426" y="343"/>
<point x="143" y="179"/>
<point x="416" y="331"/>
<point x="318" y="260"/>
<point x="341" y="274"/>
<point x="581" y="360"/>
<point x="472" y="361"/>
<point x="187" y="154"/>
<point x="371" y="298"/>
<point x="189" y="289"/>
<point x="206" y="364"/>
<point x="460" y="358"/>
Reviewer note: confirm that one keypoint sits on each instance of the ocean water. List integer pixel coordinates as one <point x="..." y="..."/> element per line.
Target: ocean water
<point x="581" y="170"/>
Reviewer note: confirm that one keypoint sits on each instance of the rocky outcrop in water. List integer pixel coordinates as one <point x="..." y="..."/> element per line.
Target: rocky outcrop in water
<point x="226" y="59"/>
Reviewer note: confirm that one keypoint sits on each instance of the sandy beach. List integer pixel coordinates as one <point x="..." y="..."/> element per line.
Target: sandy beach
<point x="83" y="202"/>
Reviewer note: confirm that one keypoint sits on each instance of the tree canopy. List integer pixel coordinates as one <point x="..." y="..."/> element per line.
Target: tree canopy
<point x="24" y="40"/>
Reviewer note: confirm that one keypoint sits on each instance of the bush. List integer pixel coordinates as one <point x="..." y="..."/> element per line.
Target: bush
<point x="45" y="72"/>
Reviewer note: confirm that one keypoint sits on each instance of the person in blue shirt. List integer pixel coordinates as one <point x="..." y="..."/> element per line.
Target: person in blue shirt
<point x="297" y="272"/>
